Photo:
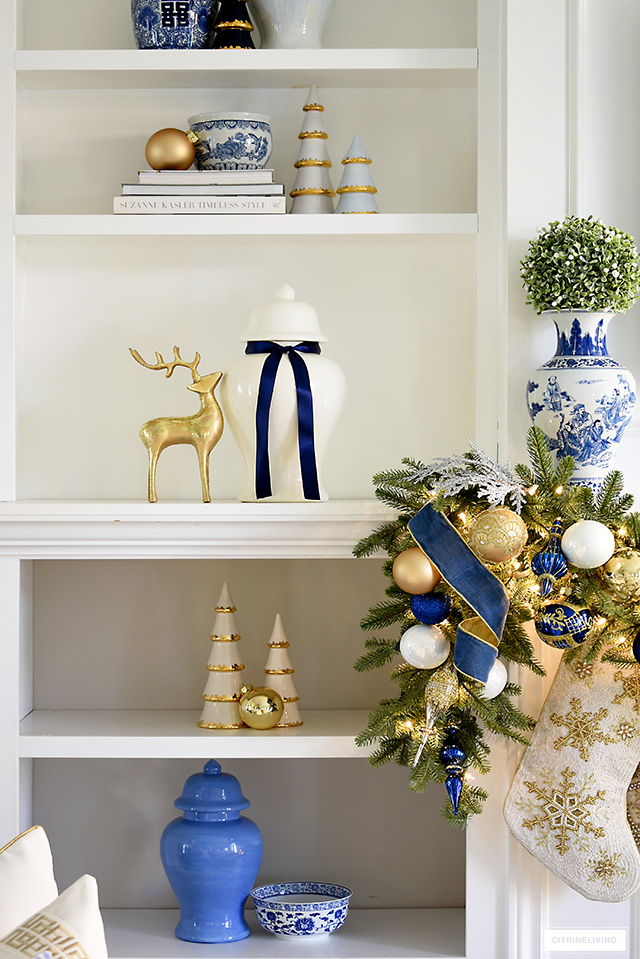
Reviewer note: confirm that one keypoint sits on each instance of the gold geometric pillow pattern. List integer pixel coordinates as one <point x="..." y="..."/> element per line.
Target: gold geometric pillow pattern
<point x="70" y="927"/>
<point x="568" y="801"/>
<point x="27" y="882"/>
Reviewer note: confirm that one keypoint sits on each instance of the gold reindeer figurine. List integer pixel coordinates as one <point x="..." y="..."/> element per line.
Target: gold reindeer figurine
<point x="202" y="430"/>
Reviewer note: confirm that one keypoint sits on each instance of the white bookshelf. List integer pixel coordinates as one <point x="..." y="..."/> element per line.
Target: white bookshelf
<point x="406" y="302"/>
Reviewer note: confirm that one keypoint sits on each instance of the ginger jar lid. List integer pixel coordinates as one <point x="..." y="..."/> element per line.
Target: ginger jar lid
<point x="211" y="791"/>
<point x="284" y="318"/>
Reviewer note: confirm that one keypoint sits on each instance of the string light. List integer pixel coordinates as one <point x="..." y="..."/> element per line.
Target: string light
<point x="462" y="517"/>
<point x="558" y="490"/>
<point x="533" y="490"/>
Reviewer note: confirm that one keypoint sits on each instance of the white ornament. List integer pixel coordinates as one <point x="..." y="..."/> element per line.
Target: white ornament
<point x="588" y="544"/>
<point x="496" y="680"/>
<point x="424" y="647"/>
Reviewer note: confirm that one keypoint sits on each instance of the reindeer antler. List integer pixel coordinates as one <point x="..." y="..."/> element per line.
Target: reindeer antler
<point x="170" y="367"/>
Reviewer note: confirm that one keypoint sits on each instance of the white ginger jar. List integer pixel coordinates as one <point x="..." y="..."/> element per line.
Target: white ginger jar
<point x="282" y="400"/>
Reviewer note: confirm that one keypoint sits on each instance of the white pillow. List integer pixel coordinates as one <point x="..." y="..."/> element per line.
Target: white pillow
<point x="70" y="927"/>
<point x="27" y="882"/>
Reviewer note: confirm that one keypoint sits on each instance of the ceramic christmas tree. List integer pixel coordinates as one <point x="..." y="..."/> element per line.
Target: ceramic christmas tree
<point x="280" y="675"/>
<point x="222" y="691"/>
<point x="312" y="191"/>
<point x="232" y="27"/>
<point x="356" y="190"/>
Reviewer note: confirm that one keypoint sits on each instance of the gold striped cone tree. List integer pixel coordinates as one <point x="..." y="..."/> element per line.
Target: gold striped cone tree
<point x="222" y="691"/>
<point x="312" y="191"/>
<point x="279" y="672"/>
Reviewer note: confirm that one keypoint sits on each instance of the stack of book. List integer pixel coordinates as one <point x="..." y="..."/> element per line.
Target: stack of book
<point x="202" y="191"/>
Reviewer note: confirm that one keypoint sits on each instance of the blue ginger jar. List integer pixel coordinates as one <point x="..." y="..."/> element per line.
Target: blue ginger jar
<point x="582" y="399"/>
<point x="211" y="856"/>
<point x="172" y="24"/>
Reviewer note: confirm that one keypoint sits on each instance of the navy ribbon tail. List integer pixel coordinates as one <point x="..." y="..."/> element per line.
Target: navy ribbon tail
<point x="478" y="637"/>
<point x="306" y="444"/>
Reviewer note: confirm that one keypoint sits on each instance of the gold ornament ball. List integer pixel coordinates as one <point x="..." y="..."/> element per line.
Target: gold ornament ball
<point x="414" y="573"/>
<point x="170" y="149"/>
<point x="260" y="707"/>
<point x="622" y="574"/>
<point x="497" y="535"/>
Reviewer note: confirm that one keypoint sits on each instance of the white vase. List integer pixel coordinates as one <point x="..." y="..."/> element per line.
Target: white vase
<point x="291" y="24"/>
<point x="282" y="322"/>
<point x="582" y="399"/>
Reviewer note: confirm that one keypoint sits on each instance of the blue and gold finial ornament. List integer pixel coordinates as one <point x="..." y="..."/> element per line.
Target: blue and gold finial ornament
<point x="453" y="756"/>
<point x="550" y="564"/>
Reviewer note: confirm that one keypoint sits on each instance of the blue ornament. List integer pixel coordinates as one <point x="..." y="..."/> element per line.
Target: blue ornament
<point x="453" y="756"/>
<point x="562" y="625"/>
<point x="431" y="608"/>
<point x="550" y="564"/>
<point x="636" y="647"/>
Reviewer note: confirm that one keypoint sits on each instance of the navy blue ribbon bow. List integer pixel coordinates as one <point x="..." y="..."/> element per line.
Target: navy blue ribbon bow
<point x="478" y="637"/>
<point x="306" y="444"/>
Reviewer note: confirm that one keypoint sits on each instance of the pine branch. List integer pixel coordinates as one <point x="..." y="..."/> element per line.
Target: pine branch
<point x="380" y="653"/>
<point x="386" y="614"/>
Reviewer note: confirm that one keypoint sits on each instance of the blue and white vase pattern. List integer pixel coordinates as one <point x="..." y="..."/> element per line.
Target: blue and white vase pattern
<point x="582" y="399"/>
<point x="171" y="24"/>
<point x="235" y="143"/>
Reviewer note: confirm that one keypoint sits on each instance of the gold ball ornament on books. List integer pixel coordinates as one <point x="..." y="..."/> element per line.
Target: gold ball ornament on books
<point x="414" y="573"/>
<point x="622" y="574"/>
<point x="170" y="149"/>
<point x="497" y="535"/>
<point x="260" y="707"/>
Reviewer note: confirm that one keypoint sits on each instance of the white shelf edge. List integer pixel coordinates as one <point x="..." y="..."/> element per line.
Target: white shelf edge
<point x="174" y="734"/>
<point x="384" y="224"/>
<point x="375" y="67"/>
<point x="366" y="934"/>
<point x="57" y="530"/>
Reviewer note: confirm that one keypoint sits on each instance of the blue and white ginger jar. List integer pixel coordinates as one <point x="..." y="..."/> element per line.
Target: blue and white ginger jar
<point x="171" y="24"/>
<point x="582" y="399"/>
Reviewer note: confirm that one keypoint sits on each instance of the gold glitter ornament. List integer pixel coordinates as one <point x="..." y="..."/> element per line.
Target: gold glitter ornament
<point x="622" y="574"/>
<point x="414" y="573"/>
<point x="440" y="692"/>
<point x="170" y="149"/>
<point x="260" y="707"/>
<point x="497" y="535"/>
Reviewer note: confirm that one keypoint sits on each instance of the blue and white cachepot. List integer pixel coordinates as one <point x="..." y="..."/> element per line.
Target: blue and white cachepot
<point x="171" y="24"/>
<point x="231" y="141"/>
<point x="582" y="399"/>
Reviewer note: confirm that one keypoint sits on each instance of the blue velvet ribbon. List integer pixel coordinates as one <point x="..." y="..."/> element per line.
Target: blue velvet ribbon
<point x="306" y="443"/>
<point x="477" y="638"/>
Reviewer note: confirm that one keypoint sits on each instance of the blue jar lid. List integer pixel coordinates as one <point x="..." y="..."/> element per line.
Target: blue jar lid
<point x="211" y="791"/>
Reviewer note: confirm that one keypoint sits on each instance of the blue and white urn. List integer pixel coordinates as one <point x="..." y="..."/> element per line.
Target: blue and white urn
<point x="171" y="24"/>
<point x="582" y="399"/>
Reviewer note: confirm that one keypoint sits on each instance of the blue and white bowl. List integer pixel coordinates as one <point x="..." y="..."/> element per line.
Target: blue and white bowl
<point x="231" y="141"/>
<point x="295" y="910"/>
<point x="171" y="24"/>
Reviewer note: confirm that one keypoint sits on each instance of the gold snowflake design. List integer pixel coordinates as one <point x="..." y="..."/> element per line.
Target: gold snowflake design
<point x="625" y="731"/>
<point x="583" y="729"/>
<point x="633" y="808"/>
<point x="563" y="811"/>
<point x="631" y="688"/>
<point x="606" y="868"/>
<point x="583" y="671"/>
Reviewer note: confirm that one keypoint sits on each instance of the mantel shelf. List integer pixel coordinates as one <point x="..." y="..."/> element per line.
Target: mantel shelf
<point x="384" y="224"/>
<point x="174" y="734"/>
<point x="58" y="530"/>
<point x="203" y="69"/>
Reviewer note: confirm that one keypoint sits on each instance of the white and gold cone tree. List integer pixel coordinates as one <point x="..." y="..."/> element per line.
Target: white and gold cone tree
<point x="279" y="672"/>
<point x="356" y="190"/>
<point x="312" y="191"/>
<point x="222" y="692"/>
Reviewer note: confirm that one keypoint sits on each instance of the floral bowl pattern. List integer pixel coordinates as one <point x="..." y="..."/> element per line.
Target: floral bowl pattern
<point x="291" y="910"/>
<point x="171" y="24"/>
<point x="231" y="141"/>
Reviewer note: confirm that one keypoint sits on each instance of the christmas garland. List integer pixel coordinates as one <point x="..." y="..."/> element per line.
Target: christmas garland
<point x="567" y="559"/>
